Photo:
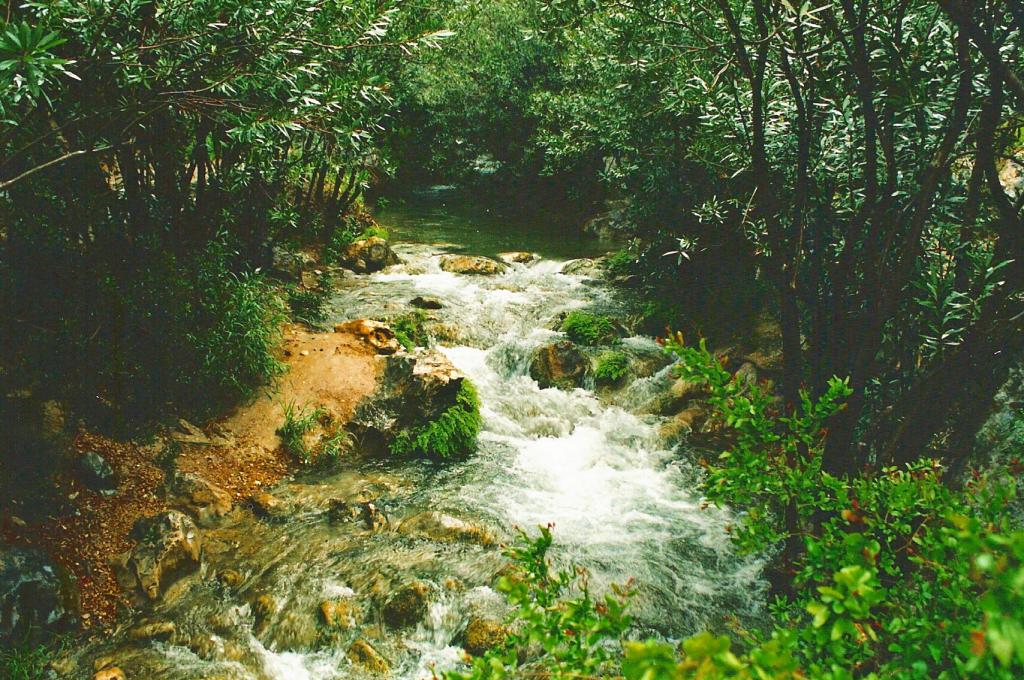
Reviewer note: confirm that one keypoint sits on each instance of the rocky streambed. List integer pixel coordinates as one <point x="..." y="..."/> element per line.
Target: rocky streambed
<point x="385" y="566"/>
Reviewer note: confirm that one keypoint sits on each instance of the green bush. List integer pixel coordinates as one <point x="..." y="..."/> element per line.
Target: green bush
<point x="611" y="367"/>
<point x="452" y="434"/>
<point x="589" y="329"/>
<point x="556" y="609"/>
<point x="621" y="263"/>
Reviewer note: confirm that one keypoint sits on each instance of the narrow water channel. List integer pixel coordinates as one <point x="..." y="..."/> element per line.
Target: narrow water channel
<point x="623" y="504"/>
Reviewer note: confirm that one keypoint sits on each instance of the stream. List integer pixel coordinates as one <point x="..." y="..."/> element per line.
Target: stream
<point x="623" y="504"/>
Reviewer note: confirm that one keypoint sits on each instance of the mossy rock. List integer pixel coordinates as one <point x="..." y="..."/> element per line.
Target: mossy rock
<point x="408" y="606"/>
<point x="482" y="635"/>
<point x="363" y="653"/>
<point x="341" y="614"/>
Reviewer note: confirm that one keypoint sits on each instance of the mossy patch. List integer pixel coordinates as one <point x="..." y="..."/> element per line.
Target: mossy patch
<point x="585" y="328"/>
<point x="611" y="368"/>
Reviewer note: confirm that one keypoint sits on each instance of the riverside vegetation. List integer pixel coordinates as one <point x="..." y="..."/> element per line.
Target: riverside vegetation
<point x="834" y="186"/>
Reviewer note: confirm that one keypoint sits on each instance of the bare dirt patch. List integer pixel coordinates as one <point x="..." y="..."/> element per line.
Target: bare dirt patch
<point x="240" y="453"/>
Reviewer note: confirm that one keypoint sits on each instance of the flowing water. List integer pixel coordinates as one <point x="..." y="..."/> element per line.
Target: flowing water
<point x="622" y="503"/>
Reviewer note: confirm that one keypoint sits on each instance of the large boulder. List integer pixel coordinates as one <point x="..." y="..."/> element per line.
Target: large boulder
<point x="36" y="595"/>
<point x="377" y="335"/>
<point x="471" y="264"/>
<point x="287" y="265"/>
<point x="168" y="548"/>
<point x="415" y="389"/>
<point x="561" y="364"/>
<point x="368" y="255"/>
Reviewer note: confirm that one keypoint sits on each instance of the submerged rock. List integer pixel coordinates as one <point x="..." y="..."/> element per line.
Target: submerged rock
<point x="472" y="264"/>
<point x="36" y="595"/>
<point x="368" y="256"/>
<point x="561" y="364"/>
<point x="440" y="527"/>
<point x="152" y="630"/>
<point x="374" y="333"/>
<point x="408" y="607"/>
<point x="96" y="473"/>
<point x="363" y="653"/>
<point x="168" y="548"/>
<point x="423" y="302"/>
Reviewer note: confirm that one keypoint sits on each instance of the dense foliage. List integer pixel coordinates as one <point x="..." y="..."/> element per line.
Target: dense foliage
<point x="153" y="154"/>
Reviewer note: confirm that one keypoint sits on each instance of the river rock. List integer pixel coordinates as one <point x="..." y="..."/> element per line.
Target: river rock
<point x="287" y="265"/>
<point x="363" y="653"/>
<point x="96" y="473"/>
<point x="581" y="267"/>
<point x="268" y="506"/>
<point x="368" y="256"/>
<point x="374" y="333"/>
<point x="482" y="635"/>
<point x="561" y="364"/>
<point x="342" y="613"/>
<point x="686" y="421"/>
<point x="207" y="500"/>
<point x="408" y="606"/>
<point x="747" y="375"/>
<point x="112" y="673"/>
<point x="423" y="302"/>
<point x="37" y="596"/>
<point x="168" y="548"/>
<point x="680" y="394"/>
<point x="264" y="608"/>
<point x="471" y="264"/>
<point x="440" y="527"/>
<point x="518" y="257"/>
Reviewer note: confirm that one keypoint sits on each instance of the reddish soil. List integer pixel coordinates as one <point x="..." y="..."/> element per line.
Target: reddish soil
<point x="242" y="455"/>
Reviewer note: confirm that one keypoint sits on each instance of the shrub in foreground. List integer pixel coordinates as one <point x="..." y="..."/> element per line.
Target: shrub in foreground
<point x="894" y="574"/>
